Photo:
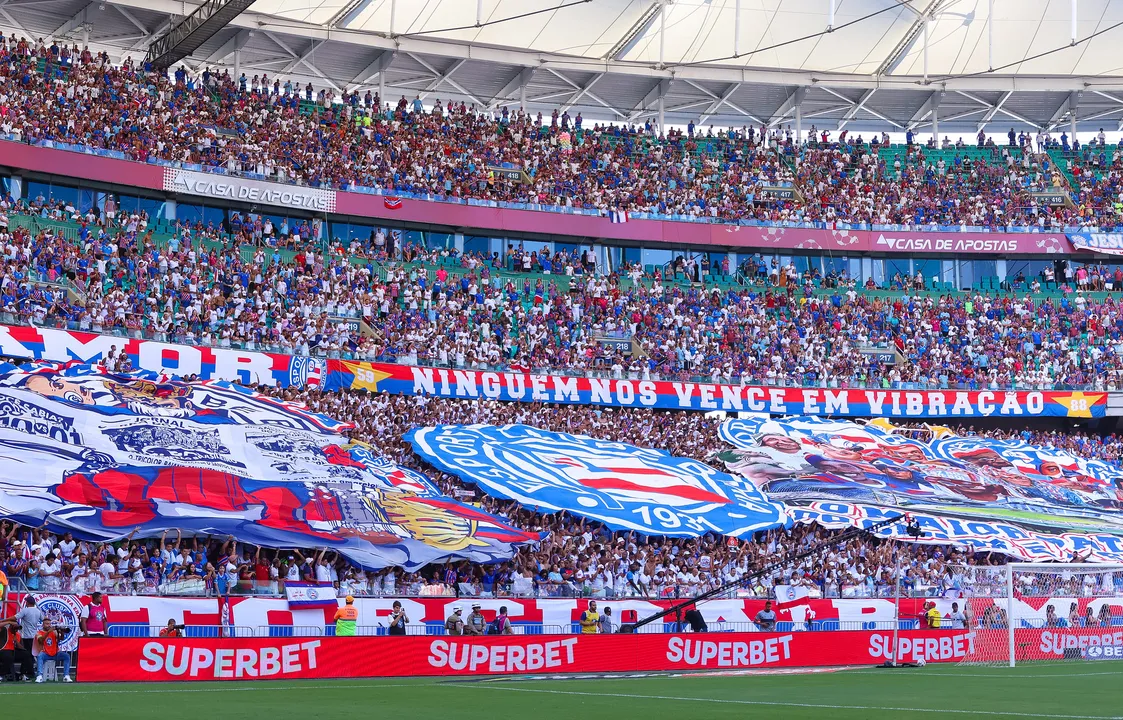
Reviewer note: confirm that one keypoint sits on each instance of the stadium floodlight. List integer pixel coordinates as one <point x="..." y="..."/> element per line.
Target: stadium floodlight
<point x="1026" y="612"/>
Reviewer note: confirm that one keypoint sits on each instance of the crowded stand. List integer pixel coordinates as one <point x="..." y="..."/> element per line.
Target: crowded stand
<point x="280" y="131"/>
<point x="578" y="558"/>
<point x="467" y="310"/>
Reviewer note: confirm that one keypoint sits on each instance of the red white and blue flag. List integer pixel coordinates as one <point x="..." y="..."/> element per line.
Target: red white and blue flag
<point x="309" y="594"/>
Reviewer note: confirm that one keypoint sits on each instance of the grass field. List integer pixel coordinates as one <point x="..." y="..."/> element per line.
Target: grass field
<point x="1059" y="691"/>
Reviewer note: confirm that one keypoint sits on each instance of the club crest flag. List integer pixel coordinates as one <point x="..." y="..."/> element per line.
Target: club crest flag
<point x="623" y="486"/>
<point x="99" y="454"/>
<point x="303" y="595"/>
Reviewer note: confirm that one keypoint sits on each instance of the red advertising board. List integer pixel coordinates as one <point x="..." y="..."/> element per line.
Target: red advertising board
<point x="198" y="659"/>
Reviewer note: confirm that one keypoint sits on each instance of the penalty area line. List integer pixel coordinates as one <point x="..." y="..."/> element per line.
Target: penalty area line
<point x="768" y="703"/>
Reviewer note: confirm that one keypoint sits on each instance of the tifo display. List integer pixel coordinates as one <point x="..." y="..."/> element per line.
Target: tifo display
<point x="305" y="386"/>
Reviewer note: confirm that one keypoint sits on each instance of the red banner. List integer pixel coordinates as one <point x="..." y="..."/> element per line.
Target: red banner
<point x="115" y="660"/>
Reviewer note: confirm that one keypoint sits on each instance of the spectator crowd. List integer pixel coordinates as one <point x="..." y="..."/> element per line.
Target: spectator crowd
<point x="251" y="284"/>
<point x="280" y="131"/>
<point x="464" y="310"/>
<point x="579" y="557"/>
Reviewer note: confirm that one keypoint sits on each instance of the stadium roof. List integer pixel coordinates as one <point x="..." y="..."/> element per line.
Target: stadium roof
<point x="861" y="64"/>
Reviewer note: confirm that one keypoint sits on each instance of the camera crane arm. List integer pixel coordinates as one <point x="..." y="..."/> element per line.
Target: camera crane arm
<point x="785" y="560"/>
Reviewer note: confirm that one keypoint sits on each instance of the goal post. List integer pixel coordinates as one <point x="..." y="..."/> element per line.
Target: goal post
<point x="1026" y="612"/>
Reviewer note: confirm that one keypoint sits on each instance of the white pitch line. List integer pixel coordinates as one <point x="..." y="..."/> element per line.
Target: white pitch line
<point x="937" y="711"/>
<point x="997" y="676"/>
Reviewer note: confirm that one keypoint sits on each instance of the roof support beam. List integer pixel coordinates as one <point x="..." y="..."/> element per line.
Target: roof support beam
<point x="447" y="77"/>
<point x="74" y="21"/>
<point x="1004" y="111"/>
<point x="924" y="111"/>
<point x="716" y="104"/>
<point x="855" y="108"/>
<point x="375" y="68"/>
<point x="995" y="109"/>
<point x="964" y="114"/>
<point x="12" y="21"/>
<point x="517" y="83"/>
<point x="583" y="91"/>
<point x="788" y="106"/>
<point x="231" y="46"/>
<point x="1101" y="114"/>
<point x="723" y="100"/>
<point x="132" y="18"/>
<point x="145" y="41"/>
<point x="302" y="59"/>
<point x="825" y="111"/>
<point x="653" y="96"/>
<point x="442" y="79"/>
<point x="1067" y="109"/>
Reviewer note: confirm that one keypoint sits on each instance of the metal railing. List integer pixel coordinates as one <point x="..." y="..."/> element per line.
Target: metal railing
<point x="466" y="591"/>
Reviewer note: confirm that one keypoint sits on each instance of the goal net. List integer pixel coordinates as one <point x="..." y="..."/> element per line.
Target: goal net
<point x="1025" y="612"/>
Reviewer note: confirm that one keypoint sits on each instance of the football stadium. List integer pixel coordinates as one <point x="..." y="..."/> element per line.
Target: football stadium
<point x="561" y="358"/>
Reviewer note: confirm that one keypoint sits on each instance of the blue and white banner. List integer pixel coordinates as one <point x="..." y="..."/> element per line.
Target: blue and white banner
<point x="303" y="595"/>
<point x="960" y="482"/>
<point x="978" y="534"/>
<point x="623" y="486"/>
<point x="99" y="455"/>
<point x="1106" y="243"/>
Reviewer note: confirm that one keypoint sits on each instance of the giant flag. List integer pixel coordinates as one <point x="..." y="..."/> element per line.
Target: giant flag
<point x="1005" y="495"/>
<point x="623" y="486"/>
<point x="100" y="454"/>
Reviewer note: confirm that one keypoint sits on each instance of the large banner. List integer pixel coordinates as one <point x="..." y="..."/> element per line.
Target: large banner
<point x="534" y="387"/>
<point x="198" y="659"/>
<point x="248" y="367"/>
<point x="253" y="367"/>
<point x="623" y="486"/>
<point x="985" y="493"/>
<point x="1106" y="243"/>
<point x="102" y="455"/>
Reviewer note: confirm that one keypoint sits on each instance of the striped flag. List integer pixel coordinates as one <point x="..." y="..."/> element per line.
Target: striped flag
<point x="618" y="216"/>
<point x="392" y="203"/>
<point x="309" y="594"/>
<point x="790" y="596"/>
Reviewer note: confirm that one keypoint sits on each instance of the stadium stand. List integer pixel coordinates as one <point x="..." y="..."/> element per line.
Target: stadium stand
<point x="246" y="282"/>
<point x="779" y="327"/>
<point x="276" y="131"/>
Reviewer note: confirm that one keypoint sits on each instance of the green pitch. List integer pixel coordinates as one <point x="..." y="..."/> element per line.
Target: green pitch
<point x="1059" y="691"/>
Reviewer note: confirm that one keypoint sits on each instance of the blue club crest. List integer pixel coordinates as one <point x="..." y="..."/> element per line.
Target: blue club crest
<point x="623" y="486"/>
